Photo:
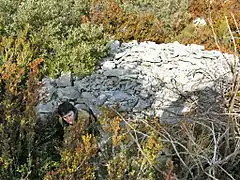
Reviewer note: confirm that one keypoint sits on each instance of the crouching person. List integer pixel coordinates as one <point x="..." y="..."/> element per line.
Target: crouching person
<point x="70" y="115"/>
<point x="82" y="134"/>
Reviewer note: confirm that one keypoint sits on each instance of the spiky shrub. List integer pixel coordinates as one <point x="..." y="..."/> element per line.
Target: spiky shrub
<point x="19" y="93"/>
<point x="77" y="155"/>
<point x="133" y="149"/>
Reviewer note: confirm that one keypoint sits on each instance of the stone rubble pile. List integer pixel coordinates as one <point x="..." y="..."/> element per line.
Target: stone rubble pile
<point x="146" y="79"/>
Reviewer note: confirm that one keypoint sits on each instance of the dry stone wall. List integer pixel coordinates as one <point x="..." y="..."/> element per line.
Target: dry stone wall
<point x="147" y="79"/>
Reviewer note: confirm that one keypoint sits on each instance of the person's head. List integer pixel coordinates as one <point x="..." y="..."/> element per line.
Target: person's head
<point x="67" y="111"/>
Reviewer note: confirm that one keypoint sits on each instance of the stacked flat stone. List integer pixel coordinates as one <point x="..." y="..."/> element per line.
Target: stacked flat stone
<point x="163" y="80"/>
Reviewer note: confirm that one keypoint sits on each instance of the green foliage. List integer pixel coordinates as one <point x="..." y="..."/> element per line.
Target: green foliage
<point x="55" y="29"/>
<point x="7" y="10"/>
<point x="1" y="27"/>
<point x="20" y="48"/>
<point x="78" y="52"/>
<point x="18" y="13"/>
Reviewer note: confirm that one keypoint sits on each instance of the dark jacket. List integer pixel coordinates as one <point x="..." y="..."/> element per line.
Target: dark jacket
<point x="86" y="119"/>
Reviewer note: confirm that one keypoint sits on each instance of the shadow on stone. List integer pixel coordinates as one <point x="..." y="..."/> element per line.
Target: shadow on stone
<point x="205" y="105"/>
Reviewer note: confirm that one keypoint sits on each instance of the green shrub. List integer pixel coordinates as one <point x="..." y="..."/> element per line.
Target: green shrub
<point x="7" y="10"/>
<point x="20" y="48"/>
<point x="78" y="52"/>
<point x="19" y="75"/>
<point x="18" y="13"/>
<point x="1" y="27"/>
<point x="55" y="30"/>
<point x="23" y="155"/>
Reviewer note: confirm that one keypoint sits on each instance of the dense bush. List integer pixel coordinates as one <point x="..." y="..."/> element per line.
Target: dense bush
<point x="129" y="151"/>
<point x="19" y="92"/>
<point x="147" y="149"/>
<point x="214" y="35"/>
<point x="17" y="13"/>
<point x="126" y="26"/>
<point x="172" y="13"/>
<point x="78" y="52"/>
<point x="20" y="156"/>
<point x="56" y="27"/>
<point x="197" y="35"/>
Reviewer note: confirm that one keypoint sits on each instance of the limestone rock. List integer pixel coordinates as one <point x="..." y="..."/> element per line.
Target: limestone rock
<point x="65" y="80"/>
<point x="149" y="79"/>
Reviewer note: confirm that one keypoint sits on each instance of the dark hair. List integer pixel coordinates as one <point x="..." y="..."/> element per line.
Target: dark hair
<point x="64" y="108"/>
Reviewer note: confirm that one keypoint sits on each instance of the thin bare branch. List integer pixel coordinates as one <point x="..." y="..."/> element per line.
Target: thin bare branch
<point x="235" y="22"/>
<point x="229" y="175"/>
